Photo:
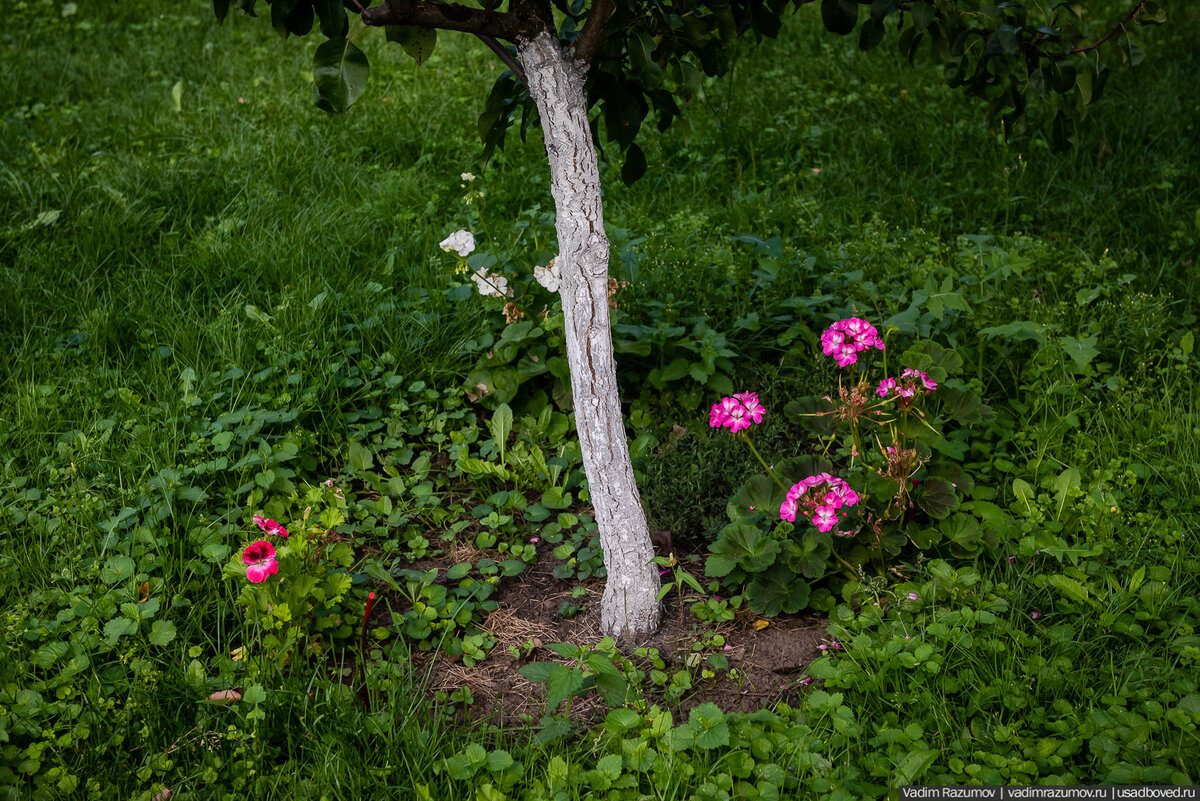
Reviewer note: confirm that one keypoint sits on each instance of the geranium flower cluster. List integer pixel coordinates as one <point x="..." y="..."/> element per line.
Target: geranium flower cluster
<point x="270" y="526"/>
<point x="462" y="242"/>
<point x="818" y="498"/>
<point x="259" y="559"/>
<point x="491" y="284"/>
<point x="845" y="339"/>
<point x="907" y="385"/>
<point x="736" y="413"/>
<point x="549" y="276"/>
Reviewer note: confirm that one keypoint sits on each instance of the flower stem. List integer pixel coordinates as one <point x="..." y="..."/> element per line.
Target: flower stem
<point x="360" y="663"/>
<point x="758" y="456"/>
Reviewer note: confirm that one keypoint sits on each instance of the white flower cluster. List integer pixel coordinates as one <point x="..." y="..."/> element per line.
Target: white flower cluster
<point x="468" y="177"/>
<point x="491" y="285"/>
<point x="461" y="241"/>
<point x="549" y="276"/>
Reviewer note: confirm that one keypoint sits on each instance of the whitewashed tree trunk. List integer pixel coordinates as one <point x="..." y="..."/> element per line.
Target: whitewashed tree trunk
<point x="628" y="609"/>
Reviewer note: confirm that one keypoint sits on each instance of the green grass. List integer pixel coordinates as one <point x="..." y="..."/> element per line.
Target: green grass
<point x="161" y="269"/>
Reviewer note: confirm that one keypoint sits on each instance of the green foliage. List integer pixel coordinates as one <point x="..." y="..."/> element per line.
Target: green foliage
<point x="146" y="410"/>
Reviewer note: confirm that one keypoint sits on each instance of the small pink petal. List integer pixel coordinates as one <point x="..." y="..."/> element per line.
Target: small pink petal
<point x="258" y="572"/>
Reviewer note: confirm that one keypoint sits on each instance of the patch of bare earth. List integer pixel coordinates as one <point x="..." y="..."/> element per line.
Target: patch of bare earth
<point x="769" y="661"/>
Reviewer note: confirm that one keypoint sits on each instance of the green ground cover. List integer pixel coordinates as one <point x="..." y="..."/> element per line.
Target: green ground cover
<point x="215" y="298"/>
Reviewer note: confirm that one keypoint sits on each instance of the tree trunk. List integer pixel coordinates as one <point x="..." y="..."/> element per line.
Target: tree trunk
<point x="629" y="610"/>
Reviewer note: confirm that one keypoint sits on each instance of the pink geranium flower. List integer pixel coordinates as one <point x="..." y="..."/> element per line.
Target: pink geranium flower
<point x="270" y="526"/>
<point x="885" y="386"/>
<point x="736" y="413"/>
<point x="928" y="383"/>
<point x="787" y="511"/>
<point x="820" y="497"/>
<point x="259" y="559"/>
<point x="845" y="339"/>
<point x="824" y="518"/>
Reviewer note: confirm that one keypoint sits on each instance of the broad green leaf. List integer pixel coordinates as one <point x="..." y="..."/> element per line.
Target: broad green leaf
<point x="633" y="169"/>
<point x="416" y="40"/>
<point x="501" y="425"/>
<point x="556" y="498"/>
<point x="195" y="678"/>
<point x="117" y="628"/>
<point x="1081" y="351"/>
<point x="746" y="546"/>
<point x="499" y="760"/>
<point x="50" y="653"/>
<point x="537" y="672"/>
<point x="871" y="34"/>
<point x="759" y="494"/>
<point x="839" y="16"/>
<point x="777" y="590"/>
<point x="913" y="766"/>
<point x="162" y="632"/>
<point x="610" y="765"/>
<point x="1067" y="480"/>
<point x="937" y="498"/>
<point x="562" y="683"/>
<point x="334" y="21"/>
<point x="1073" y="589"/>
<point x="116" y="568"/>
<point x="360" y="458"/>
<point x="254" y="695"/>
<point x="964" y="534"/>
<point x="1024" y="492"/>
<point x="340" y="72"/>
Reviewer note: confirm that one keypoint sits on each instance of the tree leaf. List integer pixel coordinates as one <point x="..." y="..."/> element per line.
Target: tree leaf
<point x="839" y="16"/>
<point x="415" y="40"/>
<point x="340" y="72"/>
<point x="634" y="166"/>
<point x="334" y="22"/>
<point x="871" y="34"/>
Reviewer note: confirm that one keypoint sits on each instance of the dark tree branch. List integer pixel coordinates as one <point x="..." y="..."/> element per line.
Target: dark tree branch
<point x="507" y="57"/>
<point x="587" y="44"/>
<point x="444" y="16"/>
<point x="1120" y="26"/>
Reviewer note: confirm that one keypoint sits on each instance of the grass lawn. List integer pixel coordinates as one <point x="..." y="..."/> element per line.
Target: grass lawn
<point x="220" y="303"/>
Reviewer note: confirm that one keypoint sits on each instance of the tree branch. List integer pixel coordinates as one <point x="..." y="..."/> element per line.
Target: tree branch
<point x="506" y="56"/>
<point x="1120" y="26"/>
<point x="587" y="44"/>
<point x="445" y="16"/>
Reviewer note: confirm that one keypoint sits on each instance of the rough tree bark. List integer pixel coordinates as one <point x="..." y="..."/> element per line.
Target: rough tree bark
<point x="629" y="609"/>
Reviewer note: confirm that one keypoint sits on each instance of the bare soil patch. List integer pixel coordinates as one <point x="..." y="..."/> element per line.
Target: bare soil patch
<point x="769" y="660"/>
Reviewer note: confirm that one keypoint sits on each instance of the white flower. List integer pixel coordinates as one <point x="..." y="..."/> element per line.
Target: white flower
<point x="461" y="241"/>
<point x="468" y="177"/>
<point x="549" y="276"/>
<point x="491" y="285"/>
